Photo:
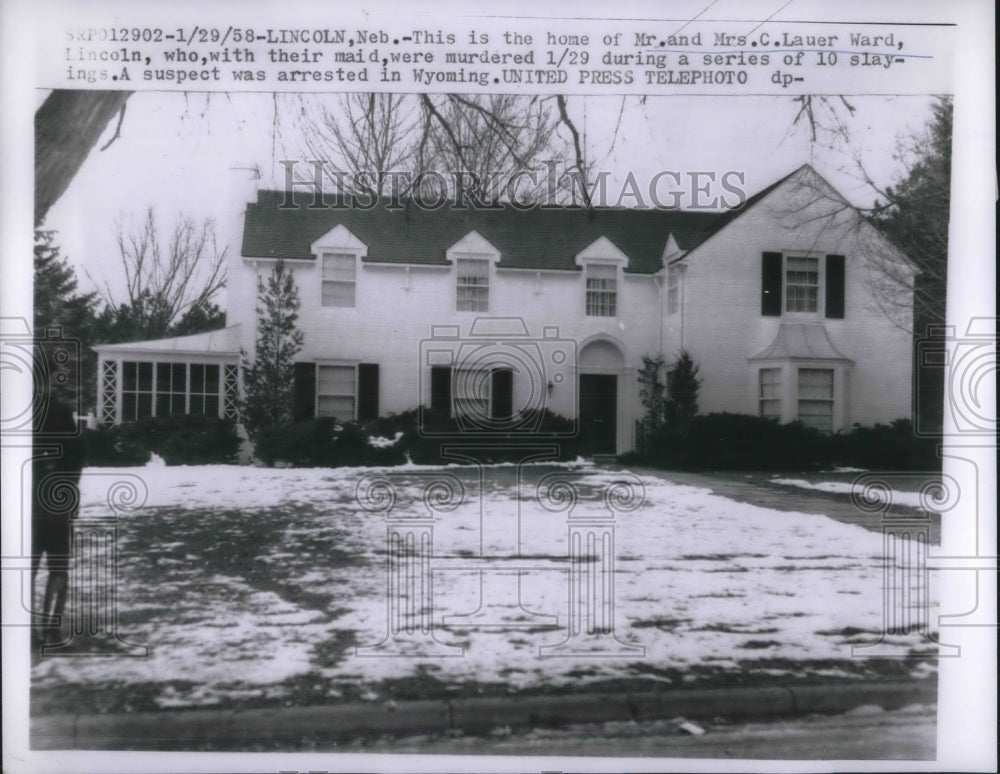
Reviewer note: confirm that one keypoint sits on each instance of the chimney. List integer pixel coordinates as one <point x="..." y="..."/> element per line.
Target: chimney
<point x="241" y="288"/>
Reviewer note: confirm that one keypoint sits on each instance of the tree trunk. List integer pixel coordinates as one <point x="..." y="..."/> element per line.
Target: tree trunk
<point x="67" y="127"/>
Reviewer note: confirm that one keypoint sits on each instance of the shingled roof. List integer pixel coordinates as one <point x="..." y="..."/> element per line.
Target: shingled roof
<point x="535" y="238"/>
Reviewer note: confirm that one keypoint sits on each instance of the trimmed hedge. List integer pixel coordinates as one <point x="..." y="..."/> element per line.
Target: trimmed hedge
<point x="743" y="442"/>
<point x="886" y="447"/>
<point x="710" y="442"/>
<point x="420" y="437"/>
<point x="114" y="446"/>
<point x="179" y="440"/>
<point x="322" y="443"/>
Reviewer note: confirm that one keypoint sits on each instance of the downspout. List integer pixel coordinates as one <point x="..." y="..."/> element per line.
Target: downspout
<point x="660" y="279"/>
<point x="682" y="268"/>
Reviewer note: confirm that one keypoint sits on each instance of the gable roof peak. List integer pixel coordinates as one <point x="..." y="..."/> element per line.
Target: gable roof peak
<point x="339" y="238"/>
<point x="601" y="249"/>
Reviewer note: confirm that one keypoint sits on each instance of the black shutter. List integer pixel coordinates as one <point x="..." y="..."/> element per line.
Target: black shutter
<point x="367" y="391"/>
<point x="304" y="401"/>
<point x="503" y="394"/>
<point x="835" y="286"/>
<point x="441" y="389"/>
<point x="770" y="285"/>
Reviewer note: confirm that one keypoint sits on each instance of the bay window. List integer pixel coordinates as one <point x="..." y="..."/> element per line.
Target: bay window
<point x="770" y="393"/>
<point x="815" y="400"/>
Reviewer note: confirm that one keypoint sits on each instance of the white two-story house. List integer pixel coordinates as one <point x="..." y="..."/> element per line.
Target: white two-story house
<point x="487" y="314"/>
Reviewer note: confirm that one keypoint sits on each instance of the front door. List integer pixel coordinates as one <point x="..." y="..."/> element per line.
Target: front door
<point x="598" y="412"/>
<point x="502" y="407"/>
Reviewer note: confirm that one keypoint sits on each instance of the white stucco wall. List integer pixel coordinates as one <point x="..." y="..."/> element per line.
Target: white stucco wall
<point x="397" y="309"/>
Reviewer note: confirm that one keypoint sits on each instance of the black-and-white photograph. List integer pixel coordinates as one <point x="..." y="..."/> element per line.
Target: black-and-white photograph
<point x="473" y="422"/>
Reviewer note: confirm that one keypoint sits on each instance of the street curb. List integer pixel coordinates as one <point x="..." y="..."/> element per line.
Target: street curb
<point x="173" y="729"/>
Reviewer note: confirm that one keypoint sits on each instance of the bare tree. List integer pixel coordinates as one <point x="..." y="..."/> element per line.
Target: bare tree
<point x="170" y="285"/>
<point x="914" y="212"/>
<point x="362" y="133"/>
<point x="393" y="143"/>
<point x="490" y="139"/>
<point x="907" y="218"/>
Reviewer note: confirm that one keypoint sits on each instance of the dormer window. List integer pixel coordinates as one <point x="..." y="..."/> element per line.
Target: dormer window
<point x="471" y="256"/>
<point x="601" y="262"/>
<point x="340" y="271"/>
<point x="338" y="253"/>
<point x="602" y="290"/>
<point x="473" y="285"/>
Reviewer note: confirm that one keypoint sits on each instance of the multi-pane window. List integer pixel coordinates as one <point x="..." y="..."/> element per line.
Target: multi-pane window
<point x="801" y="284"/>
<point x="335" y="392"/>
<point x="137" y="391"/>
<point x="770" y="393"/>
<point x="673" y="290"/>
<point x="602" y="290"/>
<point x="471" y="393"/>
<point x="816" y="398"/>
<point x="171" y="389"/>
<point x="204" y="389"/>
<point x="340" y="273"/>
<point x="473" y="285"/>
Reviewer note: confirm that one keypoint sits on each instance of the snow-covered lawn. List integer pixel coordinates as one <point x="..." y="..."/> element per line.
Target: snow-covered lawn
<point x="258" y="585"/>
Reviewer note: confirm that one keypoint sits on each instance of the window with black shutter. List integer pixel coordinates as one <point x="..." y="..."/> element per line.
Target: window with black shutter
<point x="367" y="391"/>
<point x="835" y="286"/>
<point x="304" y="392"/>
<point x="770" y="286"/>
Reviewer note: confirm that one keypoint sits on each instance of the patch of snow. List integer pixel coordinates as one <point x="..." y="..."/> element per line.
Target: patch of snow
<point x="381" y="442"/>
<point x="910" y="499"/>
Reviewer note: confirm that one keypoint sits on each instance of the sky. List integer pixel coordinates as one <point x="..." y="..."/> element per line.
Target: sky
<point x="180" y="153"/>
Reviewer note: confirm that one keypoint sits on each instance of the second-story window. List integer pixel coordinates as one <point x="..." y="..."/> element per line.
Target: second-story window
<point x="602" y="290"/>
<point x="473" y="285"/>
<point x="339" y="279"/>
<point x="801" y="284"/>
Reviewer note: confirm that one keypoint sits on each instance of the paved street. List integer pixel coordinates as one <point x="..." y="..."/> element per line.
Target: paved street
<point x="865" y="733"/>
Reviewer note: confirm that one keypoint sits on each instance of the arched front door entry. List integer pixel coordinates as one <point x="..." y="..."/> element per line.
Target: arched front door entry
<point x="601" y="363"/>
